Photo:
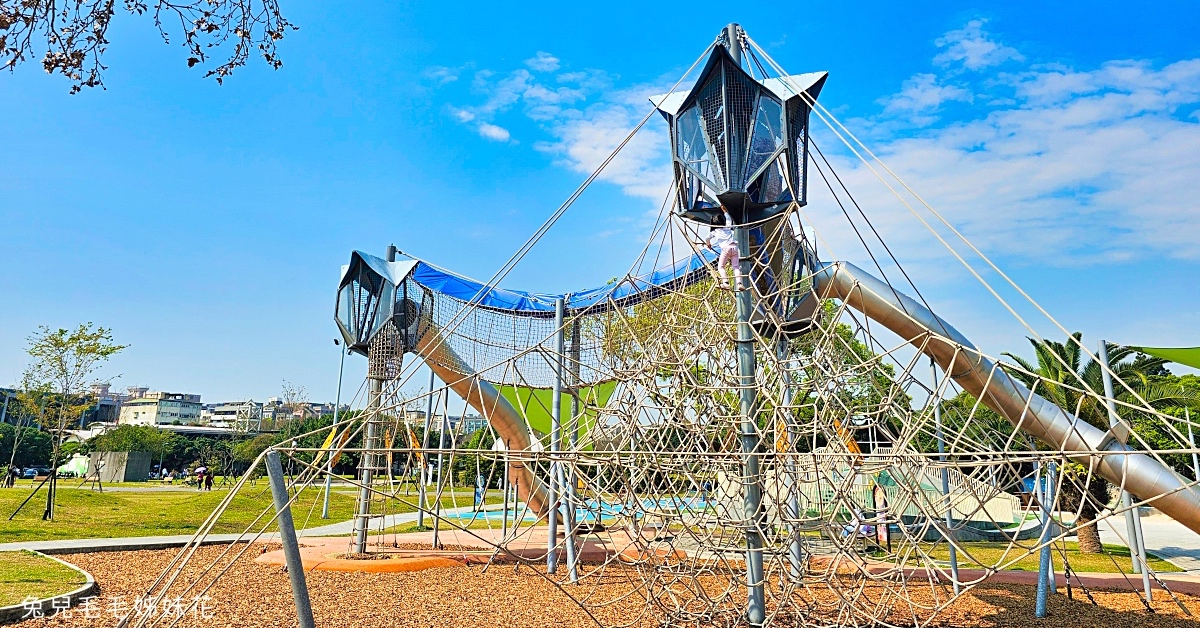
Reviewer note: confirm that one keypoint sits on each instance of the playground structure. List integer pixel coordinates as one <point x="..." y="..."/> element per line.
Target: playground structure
<point x="804" y="449"/>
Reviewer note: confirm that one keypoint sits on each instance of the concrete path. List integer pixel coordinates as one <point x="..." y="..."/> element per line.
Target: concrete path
<point x="71" y="546"/>
<point x="1165" y="538"/>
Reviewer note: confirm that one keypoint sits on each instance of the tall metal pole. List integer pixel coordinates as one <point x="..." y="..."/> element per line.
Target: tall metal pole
<point x="795" y="548"/>
<point x="504" y="513"/>
<point x="376" y="372"/>
<point x="750" y="439"/>
<point x="287" y="535"/>
<point x="337" y="404"/>
<point x="443" y="426"/>
<point x="1132" y="518"/>
<point x="1042" y="490"/>
<point x="366" y="463"/>
<point x="555" y="435"/>
<point x="735" y="47"/>
<point x="567" y="480"/>
<point x="1187" y="414"/>
<point x="941" y="446"/>
<point x="424" y="460"/>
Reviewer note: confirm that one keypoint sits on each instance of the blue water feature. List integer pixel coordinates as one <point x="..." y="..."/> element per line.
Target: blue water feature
<point x="592" y="510"/>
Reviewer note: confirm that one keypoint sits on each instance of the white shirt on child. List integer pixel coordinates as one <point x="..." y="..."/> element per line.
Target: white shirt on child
<point x="721" y="238"/>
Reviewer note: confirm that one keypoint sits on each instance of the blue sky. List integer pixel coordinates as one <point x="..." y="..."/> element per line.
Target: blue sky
<point x="205" y="224"/>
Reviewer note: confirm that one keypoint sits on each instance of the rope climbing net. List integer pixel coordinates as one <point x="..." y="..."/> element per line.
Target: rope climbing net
<point x="871" y="460"/>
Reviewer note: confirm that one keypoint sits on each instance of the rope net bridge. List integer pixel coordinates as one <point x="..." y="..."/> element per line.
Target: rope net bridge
<point x="810" y="447"/>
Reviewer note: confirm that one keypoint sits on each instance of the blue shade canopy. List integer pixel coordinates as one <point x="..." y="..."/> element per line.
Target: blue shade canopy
<point x="622" y="293"/>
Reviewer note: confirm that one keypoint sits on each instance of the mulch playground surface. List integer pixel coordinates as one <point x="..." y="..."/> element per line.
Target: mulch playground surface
<point x="252" y="594"/>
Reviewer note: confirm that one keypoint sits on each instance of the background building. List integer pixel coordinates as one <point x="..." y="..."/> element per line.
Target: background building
<point x="106" y="407"/>
<point x="160" y="408"/>
<point x="240" y="416"/>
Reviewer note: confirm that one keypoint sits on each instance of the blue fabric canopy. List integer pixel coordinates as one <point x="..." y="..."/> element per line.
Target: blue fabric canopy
<point x="622" y="293"/>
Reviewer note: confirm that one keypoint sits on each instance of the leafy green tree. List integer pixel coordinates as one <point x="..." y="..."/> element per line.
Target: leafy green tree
<point x="1158" y="435"/>
<point x="1061" y="374"/>
<point x="145" y="438"/>
<point x="33" y="395"/>
<point x="247" y="451"/>
<point x="66" y="359"/>
<point x="24" y="446"/>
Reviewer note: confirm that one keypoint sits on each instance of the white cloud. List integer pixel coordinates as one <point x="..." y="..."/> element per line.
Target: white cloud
<point x="543" y="62"/>
<point x="1056" y="165"/>
<point x="441" y="74"/>
<point x="1085" y="166"/>
<point x="493" y="132"/>
<point x="584" y="138"/>
<point x="974" y="48"/>
<point x="462" y="115"/>
<point x="921" y="96"/>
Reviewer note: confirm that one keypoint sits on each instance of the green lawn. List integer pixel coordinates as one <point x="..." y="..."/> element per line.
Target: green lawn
<point x="24" y="574"/>
<point x="91" y="514"/>
<point x="982" y="554"/>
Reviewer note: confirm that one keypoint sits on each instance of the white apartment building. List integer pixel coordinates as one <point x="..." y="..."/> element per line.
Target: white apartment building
<point x="240" y="416"/>
<point x="161" y="408"/>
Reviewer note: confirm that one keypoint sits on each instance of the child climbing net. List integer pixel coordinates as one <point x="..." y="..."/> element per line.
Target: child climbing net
<point x="721" y="240"/>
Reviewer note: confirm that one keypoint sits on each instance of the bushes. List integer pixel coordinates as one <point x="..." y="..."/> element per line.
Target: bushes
<point x="33" y="450"/>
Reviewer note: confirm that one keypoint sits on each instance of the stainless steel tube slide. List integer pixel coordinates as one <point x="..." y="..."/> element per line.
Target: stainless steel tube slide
<point x="1138" y="473"/>
<point x="484" y="397"/>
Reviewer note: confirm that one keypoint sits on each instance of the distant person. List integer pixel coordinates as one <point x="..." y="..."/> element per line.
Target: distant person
<point x="208" y="481"/>
<point x="722" y="240"/>
<point x="200" y="478"/>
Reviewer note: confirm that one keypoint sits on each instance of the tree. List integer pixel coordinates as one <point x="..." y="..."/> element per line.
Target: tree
<point x="145" y="438"/>
<point x="247" y="451"/>
<point x="1063" y="376"/>
<point x="295" y="400"/>
<point x="32" y="397"/>
<point x="66" y="360"/>
<point x="71" y="37"/>
<point x="24" y="446"/>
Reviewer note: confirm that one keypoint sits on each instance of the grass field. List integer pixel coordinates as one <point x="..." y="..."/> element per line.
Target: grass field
<point x="982" y="555"/>
<point x="24" y="574"/>
<point x="81" y="513"/>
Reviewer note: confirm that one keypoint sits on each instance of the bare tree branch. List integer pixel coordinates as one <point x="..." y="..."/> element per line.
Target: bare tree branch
<point x="74" y="33"/>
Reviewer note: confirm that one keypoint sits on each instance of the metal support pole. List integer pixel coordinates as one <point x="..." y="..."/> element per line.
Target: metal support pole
<point x="287" y="535"/>
<point x="1113" y="421"/>
<point x="1187" y="414"/>
<point x="424" y="460"/>
<point x="945" y="473"/>
<point x="568" y="480"/>
<point x="1132" y="517"/>
<point x="1141" y="545"/>
<point x="1043" y="582"/>
<point x="337" y="404"/>
<point x="792" y="431"/>
<point x="555" y="436"/>
<point x="443" y="427"/>
<point x="750" y="438"/>
<point x="735" y="47"/>
<point x="366" y="463"/>
<point x="504" y="513"/>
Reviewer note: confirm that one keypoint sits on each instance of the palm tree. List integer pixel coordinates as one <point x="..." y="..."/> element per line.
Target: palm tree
<point x="1075" y="384"/>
